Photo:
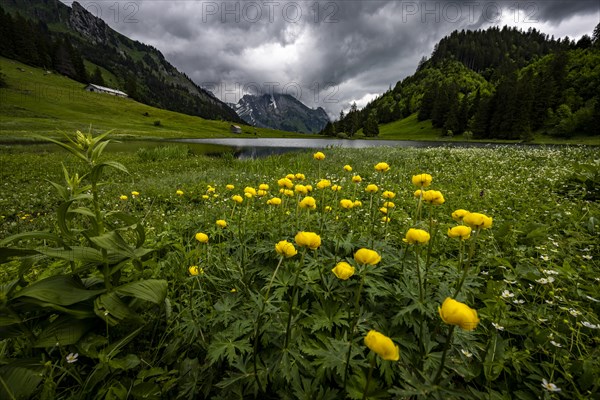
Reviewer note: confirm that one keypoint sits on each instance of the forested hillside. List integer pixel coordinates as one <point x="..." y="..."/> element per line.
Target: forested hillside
<point x="495" y="83"/>
<point x="74" y="43"/>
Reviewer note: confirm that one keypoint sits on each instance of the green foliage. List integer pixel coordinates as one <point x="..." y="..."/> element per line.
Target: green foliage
<point x="224" y="333"/>
<point x="97" y="281"/>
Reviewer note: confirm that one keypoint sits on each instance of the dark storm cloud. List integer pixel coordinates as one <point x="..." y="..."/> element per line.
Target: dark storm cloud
<point x="333" y="52"/>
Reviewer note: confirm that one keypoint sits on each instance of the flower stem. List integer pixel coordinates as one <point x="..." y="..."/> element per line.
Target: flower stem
<point x="369" y="376"/>
<point x="354" y="324"/>
<point x="438" y="375"/>
<point x="288" y="329"/>
<point x="466" y="268"/>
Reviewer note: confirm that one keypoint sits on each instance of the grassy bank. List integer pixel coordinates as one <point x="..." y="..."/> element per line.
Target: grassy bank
<point x="169" y="313"/>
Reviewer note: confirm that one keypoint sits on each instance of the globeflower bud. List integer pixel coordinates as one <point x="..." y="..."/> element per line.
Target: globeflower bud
<point x="285" y="249"/>
<point x="422" y="180"/>
<point x="382" y="345"/>
<point x="454" y="312"/>
<point x="343" y="270"/>
<point x="418" y="236"/>
<point x="202" y="237"/>
<point x="366" y="256"/>
<point x="308" y="239"/>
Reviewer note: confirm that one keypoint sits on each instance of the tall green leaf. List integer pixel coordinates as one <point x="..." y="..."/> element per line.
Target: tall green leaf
<point x="63" y="290"/>
<point x="152" y="290"/>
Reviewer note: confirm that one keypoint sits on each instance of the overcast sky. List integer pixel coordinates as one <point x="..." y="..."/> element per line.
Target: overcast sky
<point x="326" y="53"/>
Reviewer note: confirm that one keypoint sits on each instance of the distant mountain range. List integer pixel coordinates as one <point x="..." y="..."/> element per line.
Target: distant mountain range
<point x="72" y="41"/>
<point x="280" y="111"/>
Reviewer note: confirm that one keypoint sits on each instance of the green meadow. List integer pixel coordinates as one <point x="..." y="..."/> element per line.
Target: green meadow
<point x="164" y="274"/>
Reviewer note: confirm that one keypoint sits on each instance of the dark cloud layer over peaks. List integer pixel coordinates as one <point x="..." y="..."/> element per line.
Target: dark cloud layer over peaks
<point x="327" y="53"/>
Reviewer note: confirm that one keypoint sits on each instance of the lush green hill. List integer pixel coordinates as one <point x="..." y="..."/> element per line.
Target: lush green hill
<point x="37" y="102"/>
<point x="75" y="43"/>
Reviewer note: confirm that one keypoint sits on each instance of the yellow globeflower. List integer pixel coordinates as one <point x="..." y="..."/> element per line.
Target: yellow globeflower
<point x="291" y="177"/>
<point x="328" y="208"/>
<point x="301" y="189"/>
<point x="389" y="204"/>
<point x="347" y="168"/>
<point x="308" y="202"/>
<point x="418" y="193"/>
<point x="382" y="167"/>
<point x="300" y="176"/>
<point x="356" y="179"/>
<point x="463" y="232"/>
<point x="250" y="190"/>
<point x="371" y="188"/>
<point x="210" y="189"/>
<point x="458" y="215"/>
<point x="434" y="197"/>
<point x="261" y="193"/>
<point x="347" y="204"/>
<point x="135" y="194"/>
<point x="336" y="188"/>
<point x="309" y="188"/>
<point x="123" y="197"/>
<point x="179" y="192"/>
<point x="319" y="156"/>
<point x="237" y="198"/>
<point x="194" y="270"/>
<point x="388" y="195"/>
<point x="366" y="256"/>
<point x="422" y="180"/>
<point x="308" y="239"/>
<point x="288" y="192"/>
<point x="275" y="201"/>
<point x="229" y="187"/>
<point x="357" y="203"/>
<point x="323" y="183"/>
<point x="202" y="237"/>
<point x="382" y="345"/>
<point x="286" y="183"/>
<point x="263" y="186"/>
<point x="477" y="220"/>
<point x="248" y="195"/>
<point x="221" y="223"/>
<point x="385" y="219"/>
<point x="343" y="270"/>
<point x="418" y="236"/>
<point x="205" y="197"/>
<point x="384" y="210"/>
<point x="286" y="249"/>
<point x="456" y="313"/>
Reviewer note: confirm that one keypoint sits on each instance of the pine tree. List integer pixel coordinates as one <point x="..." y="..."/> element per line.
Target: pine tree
<point x="371" y="128"/>
<point x="427" y="102"/>
<point x="97" y="78"/>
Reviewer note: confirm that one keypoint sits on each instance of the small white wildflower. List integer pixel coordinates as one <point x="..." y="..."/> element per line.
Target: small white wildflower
<point x="510" y="282"/>
<point x="574" y="312"/>
<point x="506" y="294"/>
<point x="550" y="272"/>
<point x="551" y="387"/>
<point x="587" y="257"/>
<point x="556" y="344"/>
<point x="520" y="301"/>
<point x="484" y="272"/>
<point x="545" y="257"/>
<point x="71" y="358"/>
<point x="497" y="326"/>
<point x="590" y="325"/>
<point x="542" y="319"/>
<point x="549" y="301"/>
<point x="467" y="353"/>
<point x="544" y="281"/>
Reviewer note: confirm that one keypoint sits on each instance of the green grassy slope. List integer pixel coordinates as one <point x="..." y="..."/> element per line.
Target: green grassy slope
<point x="40" y="103"/>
